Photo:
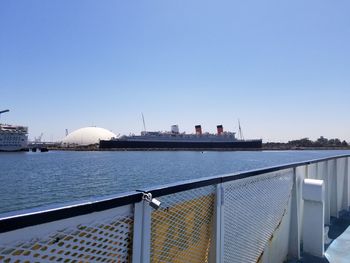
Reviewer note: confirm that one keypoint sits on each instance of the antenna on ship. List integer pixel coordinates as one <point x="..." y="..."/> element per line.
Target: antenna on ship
<point x="3" y="111"/>
<point x="240" y="133"/>
<point x="144" y="124"/>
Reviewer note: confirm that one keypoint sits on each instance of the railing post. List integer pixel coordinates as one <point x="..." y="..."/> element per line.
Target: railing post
<point x="215" y="255"/>
<point x="142" y="233"/>
<point x="342" y="189"/>
<point x="313" y="231"/>
<point x="294" y="238"/>
<point x="302" y="173"/>
<point x="327" y="201"/>
<point x="219" y="223"/>
<point x="312" y="171"/>
<point x="340" y="185"/>
<point x="347" y="174"/>
<point x="345" y="203"/>
<point x="333" y="181"/>
<point x="216" y="250"/>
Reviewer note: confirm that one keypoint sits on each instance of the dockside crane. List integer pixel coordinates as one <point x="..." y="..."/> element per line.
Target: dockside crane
<point x="38" y="139"/>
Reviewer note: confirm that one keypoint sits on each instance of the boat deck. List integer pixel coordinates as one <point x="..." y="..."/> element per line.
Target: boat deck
<point x="336" y="228"/>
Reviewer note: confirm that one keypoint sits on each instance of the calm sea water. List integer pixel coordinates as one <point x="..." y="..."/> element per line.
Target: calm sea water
<point x="30" y="180"/>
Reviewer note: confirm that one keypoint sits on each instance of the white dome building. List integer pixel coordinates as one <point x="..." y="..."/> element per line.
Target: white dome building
<point x="87" y="136"/>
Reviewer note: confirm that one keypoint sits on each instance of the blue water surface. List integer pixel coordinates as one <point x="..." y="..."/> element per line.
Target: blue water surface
<point x="31" y="180"/>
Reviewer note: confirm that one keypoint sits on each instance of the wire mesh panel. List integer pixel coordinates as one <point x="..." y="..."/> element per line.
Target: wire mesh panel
<point x="250" y="211"/>
<point x="181" y="230"/>
<point x="253" y="209"/>
<point x="97" y="237"/>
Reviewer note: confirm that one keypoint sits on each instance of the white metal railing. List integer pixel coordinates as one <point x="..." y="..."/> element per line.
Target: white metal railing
<point x="244" y="217"/>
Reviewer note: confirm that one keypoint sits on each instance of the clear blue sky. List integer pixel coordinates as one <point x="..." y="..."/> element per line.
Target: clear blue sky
<point x="281" y="67"/>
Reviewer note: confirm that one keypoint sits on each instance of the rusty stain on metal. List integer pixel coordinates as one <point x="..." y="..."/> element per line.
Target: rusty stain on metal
<point x="260" y="257"/>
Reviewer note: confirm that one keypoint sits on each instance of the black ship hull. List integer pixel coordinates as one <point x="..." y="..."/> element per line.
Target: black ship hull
<point x="178" y="145"/>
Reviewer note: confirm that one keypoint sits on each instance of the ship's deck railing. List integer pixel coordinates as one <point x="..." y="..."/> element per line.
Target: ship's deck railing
<point x="244" y="217"/>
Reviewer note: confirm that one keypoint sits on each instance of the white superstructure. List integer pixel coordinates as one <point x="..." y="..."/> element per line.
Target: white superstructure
<point x="175" y="136"/>
<point x="13" y="137"/>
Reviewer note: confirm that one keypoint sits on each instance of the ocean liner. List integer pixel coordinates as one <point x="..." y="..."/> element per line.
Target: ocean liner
<point x="174" y="140"/>
<point x="13" y="137"/>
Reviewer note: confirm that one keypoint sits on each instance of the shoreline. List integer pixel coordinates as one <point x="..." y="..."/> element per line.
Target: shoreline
<point x="299" y="148"/>
<point x="264" y="148"/>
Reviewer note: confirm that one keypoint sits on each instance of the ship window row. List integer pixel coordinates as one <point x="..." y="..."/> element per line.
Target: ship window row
<point x="12" y="140"/>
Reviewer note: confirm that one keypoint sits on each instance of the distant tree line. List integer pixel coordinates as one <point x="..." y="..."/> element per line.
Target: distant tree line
<point x="307" y="143"/>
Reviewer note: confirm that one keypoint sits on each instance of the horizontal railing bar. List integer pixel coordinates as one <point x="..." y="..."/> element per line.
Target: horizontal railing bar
<point x="255" y="172"/>
<point x="39" y="217"/>
<point x="46" y="216"/>
<point x="197" y="183"/>
<point x="183" y="186"/>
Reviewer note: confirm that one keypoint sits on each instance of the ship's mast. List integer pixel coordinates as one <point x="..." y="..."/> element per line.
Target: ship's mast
<point x="144" y="124"/>
<point x="240" y="130"/>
